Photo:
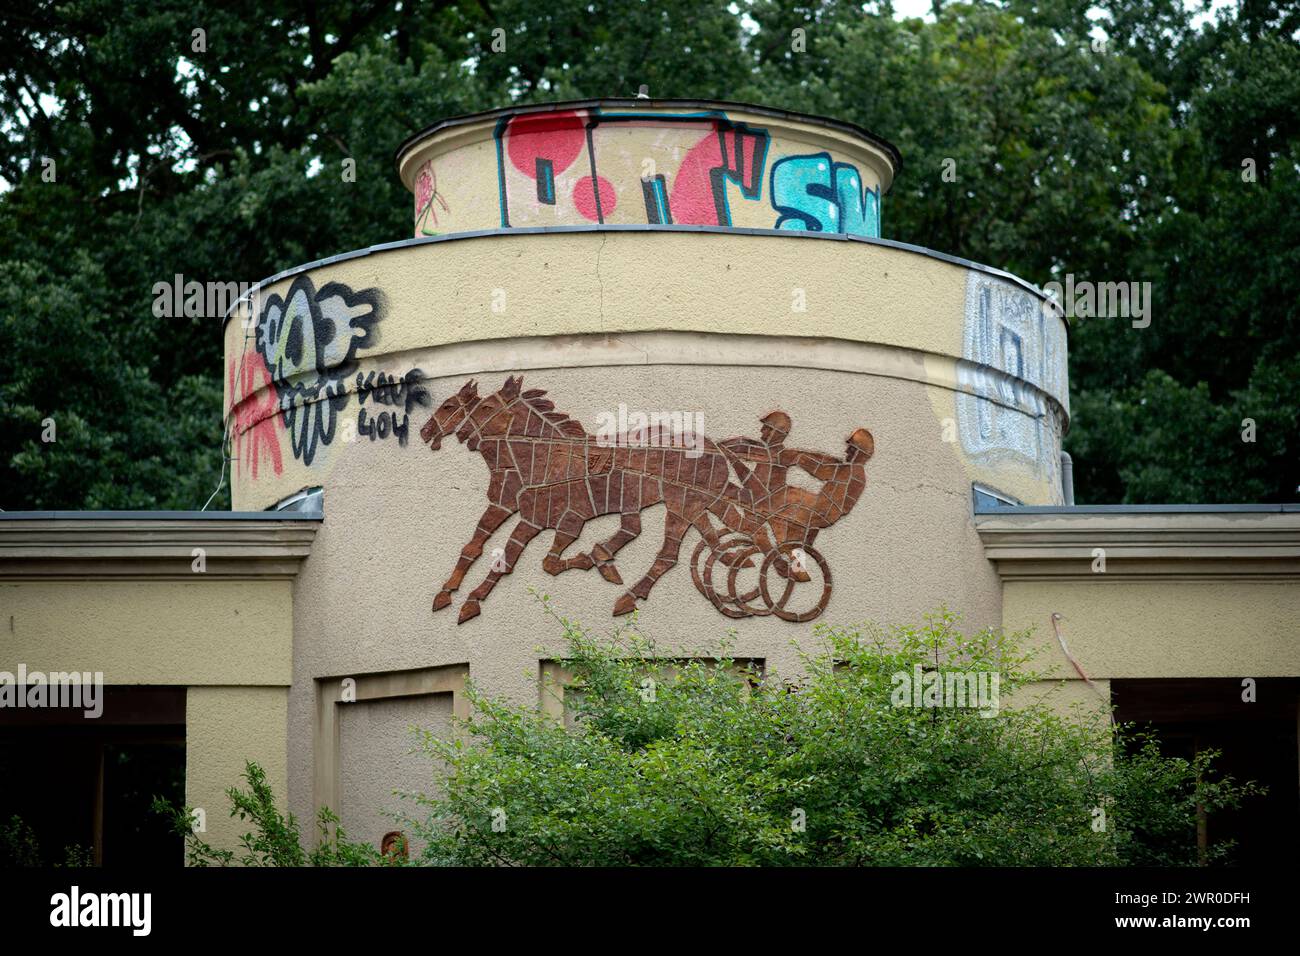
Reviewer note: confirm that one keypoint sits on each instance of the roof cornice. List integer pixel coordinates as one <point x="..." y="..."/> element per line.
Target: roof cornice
<point x="154" y="547"/>
<point x="1187" y="545"/>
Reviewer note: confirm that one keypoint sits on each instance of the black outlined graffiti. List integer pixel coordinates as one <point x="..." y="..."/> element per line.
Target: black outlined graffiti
<point x="399" y="392"/>
<point x="309" y="340"/>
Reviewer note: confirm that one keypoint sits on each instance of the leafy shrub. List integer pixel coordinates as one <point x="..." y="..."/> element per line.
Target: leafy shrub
<point x="711" y="763"/>
<point x="703" y="761"/>
<point x="275" y="839"/>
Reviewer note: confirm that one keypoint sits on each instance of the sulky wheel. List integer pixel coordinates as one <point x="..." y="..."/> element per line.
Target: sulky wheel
<point x="702" y="553"/>
<point x="697" y="567"/>
<point x="778" y="607"/>
<point x="702" y="561"/>
<point x="729" y="550"/>
<point x="747" y="601"/>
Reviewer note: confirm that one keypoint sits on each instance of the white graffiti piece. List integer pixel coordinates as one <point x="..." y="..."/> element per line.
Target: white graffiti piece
<point x="309" y="340"/>
<point x="1013" y="379"/>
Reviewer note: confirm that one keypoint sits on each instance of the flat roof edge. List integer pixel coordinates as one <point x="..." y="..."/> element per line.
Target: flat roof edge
<point x="1068" y="510"/>
<point x="160" y="516"/>
<point x="633" y="102"/>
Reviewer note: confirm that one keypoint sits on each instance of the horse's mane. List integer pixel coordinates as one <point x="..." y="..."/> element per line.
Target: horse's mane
<point x="535" y="399"/>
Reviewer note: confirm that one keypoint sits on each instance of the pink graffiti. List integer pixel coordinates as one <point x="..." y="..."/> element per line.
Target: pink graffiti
<point x="558" y="138"/>
<point x="693" y="189"/>
<point x="423" y="189"/>
<point x="254" y="430"/>
<point x="695" y="198"/>
<point x="426" y="194"/>
<point x="585" y="199"/>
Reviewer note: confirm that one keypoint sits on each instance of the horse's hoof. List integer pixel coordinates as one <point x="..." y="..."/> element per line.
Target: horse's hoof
<point x="610" y="573"/>
<point x="624" y="605"/>
<point x="441" y="600"/>
<point x="552" y="565"/>
<point x="468" y="611"/>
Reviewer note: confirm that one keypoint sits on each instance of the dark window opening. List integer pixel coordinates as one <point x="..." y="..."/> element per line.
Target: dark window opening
<point x="81" y="790"/>
<point x="1257" y="741"/>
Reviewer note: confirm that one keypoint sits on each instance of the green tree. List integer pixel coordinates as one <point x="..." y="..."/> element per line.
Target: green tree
<point x="222" y="164"/>
<point x="1163" y="419"/>
<point x="1118" y="163"/>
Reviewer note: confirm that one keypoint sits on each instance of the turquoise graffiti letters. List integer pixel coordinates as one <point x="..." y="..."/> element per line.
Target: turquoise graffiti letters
<point x="816" y="194"/>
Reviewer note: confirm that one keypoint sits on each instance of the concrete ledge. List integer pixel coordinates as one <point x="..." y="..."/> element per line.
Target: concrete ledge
<point x="1236" y="542"/>
<point x="154" y="545"/>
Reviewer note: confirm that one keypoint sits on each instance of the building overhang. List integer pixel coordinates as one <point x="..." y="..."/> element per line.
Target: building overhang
<point x="1195" y="542"/>
<point x="153" y="545"/>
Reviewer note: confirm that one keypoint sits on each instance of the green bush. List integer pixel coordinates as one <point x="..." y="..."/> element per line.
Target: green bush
<point x="275" y="839"/>
<point x="672" y="761"/>
<point x="713" y="764"/>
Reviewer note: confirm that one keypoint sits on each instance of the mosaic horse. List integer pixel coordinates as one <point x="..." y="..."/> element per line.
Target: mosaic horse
<point x="545" y="468"/>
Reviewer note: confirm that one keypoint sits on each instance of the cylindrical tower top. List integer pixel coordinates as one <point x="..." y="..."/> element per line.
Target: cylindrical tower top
<point x="646" y="162"/>
<point x="737" y="245"/>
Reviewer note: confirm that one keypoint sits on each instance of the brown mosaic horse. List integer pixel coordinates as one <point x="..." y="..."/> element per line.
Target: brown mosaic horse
<point x="548" y="470"/>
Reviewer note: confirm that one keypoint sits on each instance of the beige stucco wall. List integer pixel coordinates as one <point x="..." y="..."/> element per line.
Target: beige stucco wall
<point x="514" y="302"/>
<point x="956" y="370"/>
<point x="837" y="334"/>
<point x="1069" y="698"/>
<point x="229" y="642"/>
<point x="396" y="519"/>
<point x="224" y="728"/>
<point x="152" y="632"/>
<point x="378" y="755"/>
<point x="1163" y="628"/>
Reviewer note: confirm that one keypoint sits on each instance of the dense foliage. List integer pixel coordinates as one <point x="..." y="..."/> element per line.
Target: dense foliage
<point x="710" y="764"/>
<point x="1121" y="162"/>
<point x="704" y="762"/>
